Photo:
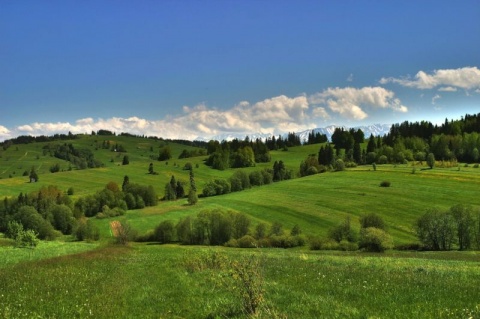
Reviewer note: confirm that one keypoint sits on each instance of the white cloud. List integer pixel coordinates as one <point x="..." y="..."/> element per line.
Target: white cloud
<point x="465" y="78"/>
<point x="435" y="98"/>
<point x="447" y="89"/>
<point x="4" y="133"/>
<point x="276" y="115"/>
<point x="349" y="101"/>
<point x="320" y="112"/>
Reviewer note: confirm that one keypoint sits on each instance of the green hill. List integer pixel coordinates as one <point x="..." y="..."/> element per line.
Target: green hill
<point x="315" y="203"/>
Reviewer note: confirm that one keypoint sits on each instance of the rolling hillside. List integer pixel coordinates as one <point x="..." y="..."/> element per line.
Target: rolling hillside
<point x="316" y="203"/>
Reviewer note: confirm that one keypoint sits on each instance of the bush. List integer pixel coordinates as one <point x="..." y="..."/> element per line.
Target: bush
<point x="147" y="237"/>
<point x="247" y="241"/>
<point x="410" y="246"/>
<point x="264" y="243"/>
<point x="372" y="220"/>
<point x="165" y="232"/>
<point x="382" y="159"/>
<point x="342" y="232"/>
<point x="233" y="243"/>
<point x="124" y="234"/>
<point x="375" y="240"/>
<point x="86" y="230"/>
<point x="385" y="184"/>
<point x="317" y="243"/>
<point x="31" y="219"/>
<point x="347" y="246"/>
<point x="339" y="165"/>
<point x="260" y="231"/>
<point x="286" y="241"/>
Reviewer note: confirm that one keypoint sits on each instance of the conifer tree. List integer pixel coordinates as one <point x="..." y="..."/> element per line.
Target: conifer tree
<point x="192" y="194"/>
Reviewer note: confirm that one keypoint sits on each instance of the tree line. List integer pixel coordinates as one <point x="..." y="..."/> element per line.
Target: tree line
<point x="82" y="158"/>
<point x="50" y="212"/>
<point x="237" y="154"/>
<point x="220" y="227"/>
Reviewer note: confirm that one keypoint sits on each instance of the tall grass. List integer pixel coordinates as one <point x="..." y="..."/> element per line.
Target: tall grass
<point x="151" y="281"/>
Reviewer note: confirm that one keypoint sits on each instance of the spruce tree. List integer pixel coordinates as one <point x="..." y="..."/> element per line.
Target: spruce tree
<point x="192" y="194"/>
<point x="33" y="175"/>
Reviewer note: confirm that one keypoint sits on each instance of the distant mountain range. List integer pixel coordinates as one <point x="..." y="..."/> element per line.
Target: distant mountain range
<point x="375" y="129"/>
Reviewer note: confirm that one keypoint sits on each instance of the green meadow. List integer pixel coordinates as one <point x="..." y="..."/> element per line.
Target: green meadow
<point x="66" y="279"/>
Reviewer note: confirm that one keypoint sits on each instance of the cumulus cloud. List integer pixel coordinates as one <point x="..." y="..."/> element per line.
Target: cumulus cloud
<point x="4" y="133"/>
<point x="276" y="115"/>
<point x="465" y="78"/>
<point x="350" y="102"/>
<point x="447" y="89"/>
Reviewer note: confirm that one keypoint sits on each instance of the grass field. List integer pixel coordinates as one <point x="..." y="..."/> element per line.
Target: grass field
<point x="316" y="203"/>
<point x="152" y="281"/>
<point x="63" y="279"/>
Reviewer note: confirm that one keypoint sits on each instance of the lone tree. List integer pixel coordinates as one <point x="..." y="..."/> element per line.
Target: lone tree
<point x="192" y="194"/>
<point x="125" y="160"/>
<point x="431" y="160"/>
<point x="33" y="175"/>
<point x="150" y="169"/>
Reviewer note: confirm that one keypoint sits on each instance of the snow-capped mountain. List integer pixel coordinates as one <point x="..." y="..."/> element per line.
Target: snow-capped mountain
<point x="375" y="129"/>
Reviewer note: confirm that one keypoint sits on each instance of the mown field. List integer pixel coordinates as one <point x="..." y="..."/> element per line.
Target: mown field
<point x="64" y="279"/>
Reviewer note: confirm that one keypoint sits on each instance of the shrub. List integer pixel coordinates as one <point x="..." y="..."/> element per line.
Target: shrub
<point x="165" y="232"/>
<point x="264" y="242"/>
<point x="385" y="184"/>
<point x="247" y="241"/>
<point x="431" y="160"/>
<point x="86" y="230"/>
<point x="382" y="159"/>
<point x="372" y="220"/>
<point x="124" y="234"/>
<point x="410" y="246"/>
<point x="31" y="219"/>
<point x="343" y="231"/>
<point x="339" y="165"/>
<point x="147" y="237"/>
<point x="347" y="246"/>
<point x="315" y="243"/>
<point x="375" y="240"/>
<point x="260" y="230"/>
<point x="475" y="166"/>
<point x="232" y="243"/>
<point x="276" y="229"/>
<point x="295" y="230"/>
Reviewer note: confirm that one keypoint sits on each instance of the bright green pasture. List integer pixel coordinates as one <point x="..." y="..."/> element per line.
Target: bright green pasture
<point x="151" y="281"/>
<point x="318" y="202"/>
<point x="18" y="158"/>
<point x="45" y="249"/>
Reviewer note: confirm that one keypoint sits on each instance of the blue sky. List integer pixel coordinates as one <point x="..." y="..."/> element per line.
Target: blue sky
<point x="182" y="69"/>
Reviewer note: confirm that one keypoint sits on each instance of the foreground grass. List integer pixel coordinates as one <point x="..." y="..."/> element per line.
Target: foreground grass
<point x="151" y="281"/>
